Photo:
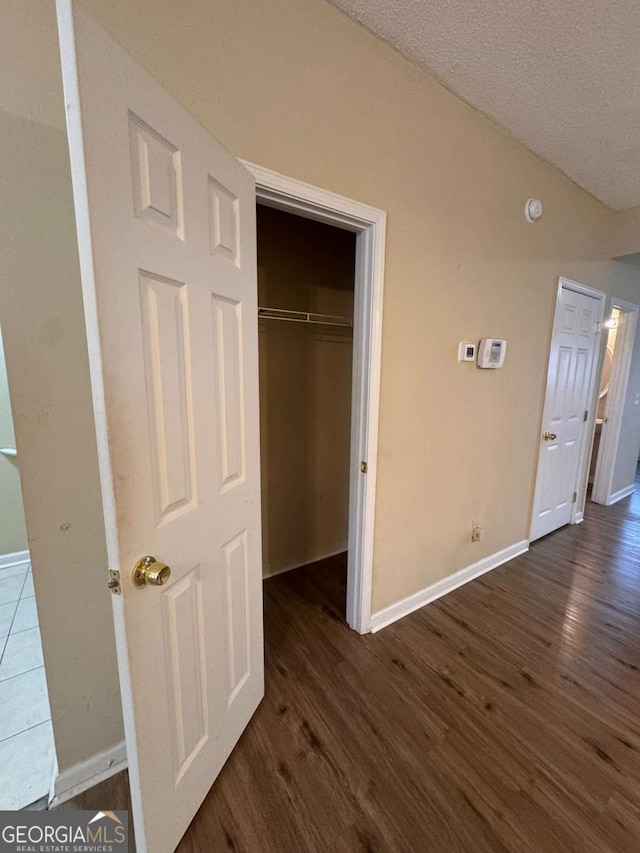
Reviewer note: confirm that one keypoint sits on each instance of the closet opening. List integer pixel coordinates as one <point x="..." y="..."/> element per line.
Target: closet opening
<point x="306" y="281"/>
<point x="365" y="227"/>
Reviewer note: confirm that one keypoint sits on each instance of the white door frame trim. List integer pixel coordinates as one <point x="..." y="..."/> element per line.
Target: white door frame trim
<point x="577" y="512"/>
<point x="369" y="224"/>
<point x="616" y="397"/>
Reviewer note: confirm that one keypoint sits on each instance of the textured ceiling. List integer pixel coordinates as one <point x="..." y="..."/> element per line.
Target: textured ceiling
<point x="561" y="76"/>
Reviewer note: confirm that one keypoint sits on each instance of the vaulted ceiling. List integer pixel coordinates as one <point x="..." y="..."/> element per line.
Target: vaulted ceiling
<point x="561" y="76"/>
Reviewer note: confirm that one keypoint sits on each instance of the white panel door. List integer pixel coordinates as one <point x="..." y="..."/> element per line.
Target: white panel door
<point x="166" y="225"/>
<point x="570" y="381"/>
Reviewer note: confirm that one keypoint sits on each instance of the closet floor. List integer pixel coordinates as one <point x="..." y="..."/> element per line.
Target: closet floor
<point x="501" y="717"/>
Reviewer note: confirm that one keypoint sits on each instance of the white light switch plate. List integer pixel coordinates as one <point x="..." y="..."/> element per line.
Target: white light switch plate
<point x="466" y="352"/>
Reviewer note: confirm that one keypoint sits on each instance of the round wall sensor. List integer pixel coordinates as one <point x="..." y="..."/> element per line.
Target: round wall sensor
<point x="533" y="209"/>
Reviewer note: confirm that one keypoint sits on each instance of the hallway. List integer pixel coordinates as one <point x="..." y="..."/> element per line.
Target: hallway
<point x="505" y="716"/>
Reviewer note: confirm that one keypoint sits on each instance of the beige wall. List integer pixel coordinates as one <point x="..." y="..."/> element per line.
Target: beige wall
<point x="13" y="531"/>
<point x="297" y="87"/>
<point x="625" y="233"/>
<point x="305" y="390"/>
<point x="44" y="339"/>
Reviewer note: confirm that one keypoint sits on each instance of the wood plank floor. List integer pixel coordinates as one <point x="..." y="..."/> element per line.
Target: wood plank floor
<point x="504" y="717"/>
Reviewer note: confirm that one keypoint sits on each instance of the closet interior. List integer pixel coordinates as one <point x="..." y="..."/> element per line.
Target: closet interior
<point x="306" y="272"/>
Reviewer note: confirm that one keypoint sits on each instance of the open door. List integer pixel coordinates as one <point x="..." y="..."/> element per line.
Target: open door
<point x="166" y="231"/>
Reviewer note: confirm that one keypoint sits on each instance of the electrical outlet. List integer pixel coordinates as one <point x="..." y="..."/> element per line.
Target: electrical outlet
<point x="477" y="533"/>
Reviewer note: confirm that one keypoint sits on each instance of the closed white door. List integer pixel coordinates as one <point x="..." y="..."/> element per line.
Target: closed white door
<point x="166" y="224"/>
<point x="570" y="385"/>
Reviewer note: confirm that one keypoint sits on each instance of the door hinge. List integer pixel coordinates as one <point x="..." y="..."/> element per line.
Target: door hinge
<point x="114" y="582"/>
<point x="598" y="327"/>
<point x="363" y="467"/>
<point x="586" y="416"/>
<point x="574" y="498"/>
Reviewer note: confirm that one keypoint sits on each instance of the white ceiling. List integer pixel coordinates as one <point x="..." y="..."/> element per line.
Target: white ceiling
<point x="562" y="76"/>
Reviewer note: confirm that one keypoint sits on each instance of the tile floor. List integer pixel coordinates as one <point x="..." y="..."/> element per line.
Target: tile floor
<point x="26" y="737"/>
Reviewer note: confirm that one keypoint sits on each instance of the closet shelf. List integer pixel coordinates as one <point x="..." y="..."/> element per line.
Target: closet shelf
<point x="304" y="317"/>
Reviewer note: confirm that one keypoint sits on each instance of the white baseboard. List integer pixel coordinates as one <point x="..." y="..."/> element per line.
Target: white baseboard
<point x="79" y="778"/>
<point x="340" y="548"/>
<point x="413" y="602"/>
<point x="623" y="493"/>
<point x="17" y="558"/>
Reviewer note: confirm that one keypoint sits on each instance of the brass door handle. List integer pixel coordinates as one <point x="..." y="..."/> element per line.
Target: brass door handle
<point x="149" y="570"/>
<point x="549" y="436"/>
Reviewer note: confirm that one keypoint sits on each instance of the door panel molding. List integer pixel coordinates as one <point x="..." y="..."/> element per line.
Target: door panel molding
<point x="577" y="437"/>
<point x="166" y="231"/>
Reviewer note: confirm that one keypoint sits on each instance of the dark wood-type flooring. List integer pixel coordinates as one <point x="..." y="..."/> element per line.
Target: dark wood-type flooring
<point x="505" y="716"/>
<point x="112" y="794"/>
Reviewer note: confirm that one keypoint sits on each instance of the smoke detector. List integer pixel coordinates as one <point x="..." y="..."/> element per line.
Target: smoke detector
<point x="533" y="209"/>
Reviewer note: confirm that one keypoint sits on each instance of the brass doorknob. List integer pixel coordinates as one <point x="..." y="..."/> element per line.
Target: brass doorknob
<point x="149" y="570"/>
<point x="549" y="436"/>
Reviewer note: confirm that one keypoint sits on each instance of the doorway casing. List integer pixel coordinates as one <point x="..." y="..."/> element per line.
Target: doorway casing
<point x="577" y="510"/>
<point x="369" y="225"/>
<point x="610" y="437"/>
